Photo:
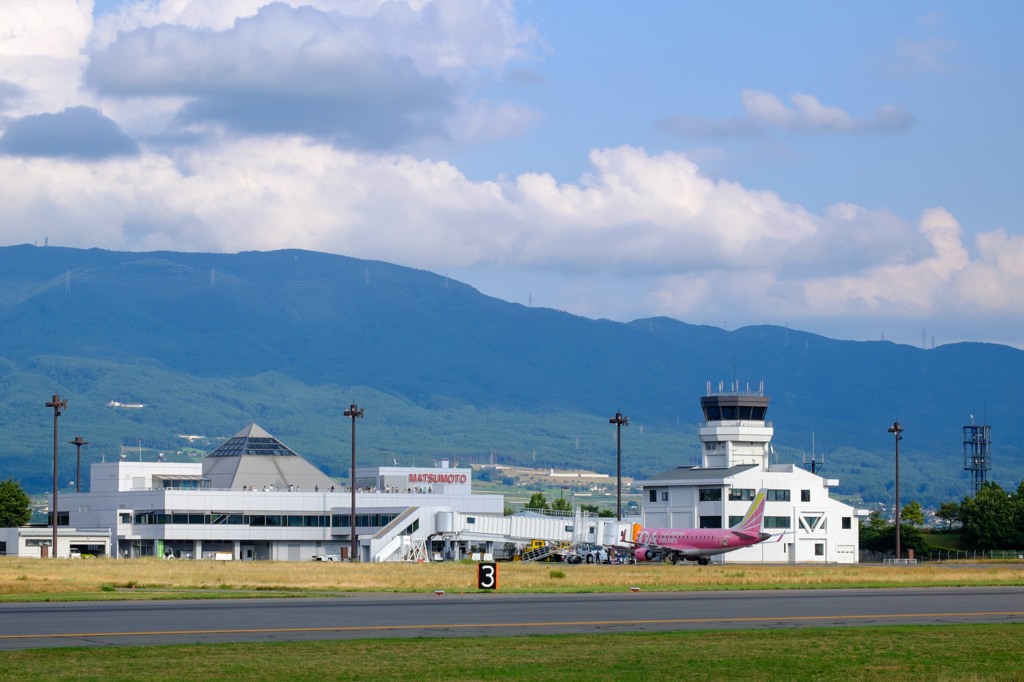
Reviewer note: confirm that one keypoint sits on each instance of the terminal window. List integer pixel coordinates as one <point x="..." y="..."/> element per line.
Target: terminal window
<point x="805" y="495"/>
<point x="664" y="496"/>
<point x="777" y="496"/>
<point x="711" y="495"/>
<point x="734" y="520"/>
<point x="776" y="522"/>
<point x="847" y="523"/>
<point x="741" y="494"/>
<point x="819" y="549"/>
<point x="654" y="495"/>
<point x="711" y="522"/>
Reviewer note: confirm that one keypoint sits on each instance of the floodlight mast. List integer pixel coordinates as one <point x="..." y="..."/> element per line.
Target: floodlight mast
<point x="78" y="442"/>
<point x="353" y="412"/>
<point x="57" y="404"/>
<point x="619" y="422"/>
<point x="897" y="429"/>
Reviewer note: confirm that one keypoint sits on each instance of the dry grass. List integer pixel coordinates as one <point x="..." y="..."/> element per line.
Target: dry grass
<point x="52" y="577"/>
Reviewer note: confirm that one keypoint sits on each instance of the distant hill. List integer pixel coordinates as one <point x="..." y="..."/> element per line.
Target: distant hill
<point x="288" y="339"/>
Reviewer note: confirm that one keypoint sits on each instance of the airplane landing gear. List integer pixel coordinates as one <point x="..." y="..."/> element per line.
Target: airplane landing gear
<point x="703" y="560"/>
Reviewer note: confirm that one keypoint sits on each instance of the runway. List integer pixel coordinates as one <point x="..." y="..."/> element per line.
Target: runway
<point x="32" y="625"/>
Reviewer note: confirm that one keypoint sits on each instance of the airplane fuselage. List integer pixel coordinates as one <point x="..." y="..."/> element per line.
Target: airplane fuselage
<point x="691" y="543"/>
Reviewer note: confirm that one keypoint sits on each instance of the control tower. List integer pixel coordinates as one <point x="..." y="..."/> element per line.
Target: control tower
<point x="735" y="431"/>
<point x="977" y="453"/>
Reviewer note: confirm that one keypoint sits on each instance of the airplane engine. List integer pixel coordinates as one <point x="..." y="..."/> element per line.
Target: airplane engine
<point x="643" y="554"/>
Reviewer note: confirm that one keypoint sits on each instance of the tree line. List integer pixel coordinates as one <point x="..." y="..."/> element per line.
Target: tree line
<point x="991" y="519"/>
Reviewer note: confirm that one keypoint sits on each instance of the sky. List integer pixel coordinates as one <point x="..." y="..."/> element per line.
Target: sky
<point x="850" y="169"/>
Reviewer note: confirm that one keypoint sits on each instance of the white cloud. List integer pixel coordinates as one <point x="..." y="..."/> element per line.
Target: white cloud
<point x="808" y="114"/>
<point x="385" y="75"/>
<point x="480" y="121"/>
<point x="40" y="51"/>
<point x="921" y="285"/>
<point x="942" y="282"/>
<point x="447" y="37"/>
<point x="765" y="112"/>
<point x="699" y="248"/>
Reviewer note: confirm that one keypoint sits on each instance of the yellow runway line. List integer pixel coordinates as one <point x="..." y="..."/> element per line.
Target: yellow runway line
<point x="667" y="621"/>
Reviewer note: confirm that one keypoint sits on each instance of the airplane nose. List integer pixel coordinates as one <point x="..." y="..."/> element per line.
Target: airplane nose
<point x="764" y="536"/>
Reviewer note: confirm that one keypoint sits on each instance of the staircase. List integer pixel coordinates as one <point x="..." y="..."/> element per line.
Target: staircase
<point x="540" y="553"/>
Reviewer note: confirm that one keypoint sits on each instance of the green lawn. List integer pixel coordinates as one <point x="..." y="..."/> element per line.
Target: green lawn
<point x="946" y="652"/>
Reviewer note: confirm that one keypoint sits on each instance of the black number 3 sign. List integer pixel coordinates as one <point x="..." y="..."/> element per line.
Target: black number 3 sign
<point x="487" y="576"/>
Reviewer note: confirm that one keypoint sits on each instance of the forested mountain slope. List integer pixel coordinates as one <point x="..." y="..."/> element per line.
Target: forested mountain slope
<point x="289" y="338"/>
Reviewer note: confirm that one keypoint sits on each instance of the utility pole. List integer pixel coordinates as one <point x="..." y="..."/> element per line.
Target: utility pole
<point x="78" y="442"/>
<point x="57" y="404"/>
<point x="897" y="429"/>
<point x="353" y="412"/>
<point x="619" y="422"/>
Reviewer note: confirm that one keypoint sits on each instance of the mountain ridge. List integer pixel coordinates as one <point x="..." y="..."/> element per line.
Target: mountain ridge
<point x="324" y="320"/>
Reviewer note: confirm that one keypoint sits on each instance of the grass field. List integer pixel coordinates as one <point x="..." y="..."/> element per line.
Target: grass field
<point x="92" y="578"/>
<point x="945" y="652"/>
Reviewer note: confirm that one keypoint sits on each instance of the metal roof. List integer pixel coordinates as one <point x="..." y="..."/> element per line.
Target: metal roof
<point x="695" y="473"/>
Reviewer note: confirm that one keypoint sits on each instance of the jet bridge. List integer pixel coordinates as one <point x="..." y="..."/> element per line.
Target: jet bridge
<point x="436" y="523"/>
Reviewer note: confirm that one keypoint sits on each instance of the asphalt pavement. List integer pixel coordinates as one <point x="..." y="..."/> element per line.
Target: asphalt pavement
<point x="50" y="624"/>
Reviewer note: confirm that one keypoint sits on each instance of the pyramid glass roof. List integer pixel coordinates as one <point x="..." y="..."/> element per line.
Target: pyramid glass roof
<point x="252" y="440"/>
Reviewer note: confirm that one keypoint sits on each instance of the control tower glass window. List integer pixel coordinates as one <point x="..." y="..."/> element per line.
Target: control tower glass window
<point x="734" y="407"/>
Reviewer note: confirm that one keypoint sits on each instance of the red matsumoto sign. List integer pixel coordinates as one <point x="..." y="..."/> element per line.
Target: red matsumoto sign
<point x="438" y="478"/>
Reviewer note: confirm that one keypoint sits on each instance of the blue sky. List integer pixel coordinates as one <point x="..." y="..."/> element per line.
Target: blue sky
<point x="845" y="168"/>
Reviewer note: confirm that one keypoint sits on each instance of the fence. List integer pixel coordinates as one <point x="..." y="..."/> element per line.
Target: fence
<point x="867" y="556"/>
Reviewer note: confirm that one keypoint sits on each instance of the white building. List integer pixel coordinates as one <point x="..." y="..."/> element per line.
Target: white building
<point x="254" y="498"/>
<point x="735" y="439"/>
<point x="37" y="542"/>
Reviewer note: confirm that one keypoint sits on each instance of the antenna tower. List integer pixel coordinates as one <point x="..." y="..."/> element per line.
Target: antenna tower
<point x="977" y="453"/>
<point x="815" y="465"/>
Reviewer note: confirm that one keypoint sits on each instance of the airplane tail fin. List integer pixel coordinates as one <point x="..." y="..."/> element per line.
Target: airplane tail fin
<point x="751" y="522"/>
<point x="630" y="534"/>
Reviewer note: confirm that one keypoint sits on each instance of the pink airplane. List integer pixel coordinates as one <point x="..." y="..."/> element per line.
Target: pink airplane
<point x="699" y="544"/>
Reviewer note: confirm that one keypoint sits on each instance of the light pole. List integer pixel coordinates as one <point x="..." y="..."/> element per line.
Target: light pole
<point x="897" y="429"/>
<point x="619" y="422"/>
<point x="57" y="404"/>
<point x="78" y="442"/>
<point x="353" y="412"/>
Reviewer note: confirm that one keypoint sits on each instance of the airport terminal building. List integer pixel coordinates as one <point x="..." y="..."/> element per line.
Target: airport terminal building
<point x="735" y="438"/>
<point x="253" y="498"/>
